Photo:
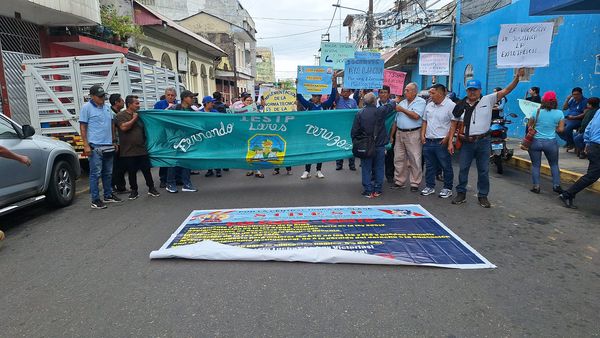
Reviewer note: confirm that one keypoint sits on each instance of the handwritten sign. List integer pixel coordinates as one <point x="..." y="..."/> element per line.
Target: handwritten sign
<point x="434" y="64"/>
<point x="280" y="101"/>
<point x="363" y="73"/>
<point x="367" y="55"/>
<point x="395" y="80"/>
<point x="333" y="54"/>
<point x="524" y="45"/>
<point x="314" y="80"/>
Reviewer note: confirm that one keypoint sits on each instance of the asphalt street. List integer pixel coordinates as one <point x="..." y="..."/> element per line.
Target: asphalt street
<point x="86" y="273"/>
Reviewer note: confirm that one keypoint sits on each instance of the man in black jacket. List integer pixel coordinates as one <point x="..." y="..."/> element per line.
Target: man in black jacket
<point x="371" y="121"/>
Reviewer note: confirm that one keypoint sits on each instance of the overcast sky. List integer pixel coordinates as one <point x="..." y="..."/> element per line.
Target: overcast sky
<point x="283" y="17"/>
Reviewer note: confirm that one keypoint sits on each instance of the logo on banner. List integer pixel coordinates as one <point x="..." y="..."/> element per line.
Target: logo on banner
<point x="266" y="148"/>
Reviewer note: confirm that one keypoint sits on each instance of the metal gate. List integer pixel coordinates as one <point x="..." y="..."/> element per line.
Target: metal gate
<point x="15" y="85"/>
<point x="495" y="75"/>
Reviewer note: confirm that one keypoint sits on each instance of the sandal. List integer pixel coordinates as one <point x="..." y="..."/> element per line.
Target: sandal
<point x="260" y="175"/>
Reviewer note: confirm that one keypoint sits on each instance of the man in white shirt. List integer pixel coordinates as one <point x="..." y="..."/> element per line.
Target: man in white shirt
<point x="408" y="149"/>
<point x="475" y="114"/>
<point x="434" y="136"/>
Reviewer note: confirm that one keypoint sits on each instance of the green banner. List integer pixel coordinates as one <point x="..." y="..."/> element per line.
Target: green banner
<point x="198" y="140"/>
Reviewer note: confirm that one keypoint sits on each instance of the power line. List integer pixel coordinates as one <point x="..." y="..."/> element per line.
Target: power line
<point x="333" y="16"/>
<point x="295" y="34"/>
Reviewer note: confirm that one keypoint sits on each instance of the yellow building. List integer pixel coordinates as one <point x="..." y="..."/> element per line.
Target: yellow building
<point x="177" y="48"/>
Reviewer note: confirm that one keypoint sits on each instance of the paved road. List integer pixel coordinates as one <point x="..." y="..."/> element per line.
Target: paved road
<point x="83" y="272"/>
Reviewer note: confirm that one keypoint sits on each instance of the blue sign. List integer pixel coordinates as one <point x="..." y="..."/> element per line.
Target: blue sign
<point x="363" y="73"/>
<point x="314" y="80"/>
<point x="367" y="55"/>
<point x="387" y="234"/>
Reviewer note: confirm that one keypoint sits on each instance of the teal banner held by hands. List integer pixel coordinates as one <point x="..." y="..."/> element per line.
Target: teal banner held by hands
<point x="198" y="140"/>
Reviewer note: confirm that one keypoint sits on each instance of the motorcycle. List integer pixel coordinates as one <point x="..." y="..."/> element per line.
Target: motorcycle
<point x="500" y="152"/>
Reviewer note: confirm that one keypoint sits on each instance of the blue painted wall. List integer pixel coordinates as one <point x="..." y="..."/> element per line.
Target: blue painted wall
<point x="424" y="82"/>
<point x="572" y="56"/>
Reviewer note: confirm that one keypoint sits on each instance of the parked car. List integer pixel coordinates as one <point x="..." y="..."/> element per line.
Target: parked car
<point x="52" y="175"/>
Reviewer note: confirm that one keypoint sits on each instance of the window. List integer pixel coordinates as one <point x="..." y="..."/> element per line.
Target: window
<point x="165" y="61"/>
<point x="7" y="131"/>
<point x="147" y="53"/>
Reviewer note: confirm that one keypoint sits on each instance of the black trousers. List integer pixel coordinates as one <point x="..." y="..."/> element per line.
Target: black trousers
<point x="593" y="172"/>
<point x="119" y="169"/>
<point x="308" y="166"/>
<point x="351" y="162"/>
<point x="389" y="163"/>
<point x="141" y="163"/>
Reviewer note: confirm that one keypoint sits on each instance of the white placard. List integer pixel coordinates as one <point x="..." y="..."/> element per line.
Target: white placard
<point x="524" y="45"/>
<point x="434" y="64"/>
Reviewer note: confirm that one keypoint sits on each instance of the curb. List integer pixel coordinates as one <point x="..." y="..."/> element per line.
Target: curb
<point x="566" y="176"/>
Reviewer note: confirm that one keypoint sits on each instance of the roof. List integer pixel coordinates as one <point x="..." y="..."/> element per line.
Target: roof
<point x="157" y="19"/>
<point x="427" y="35"/>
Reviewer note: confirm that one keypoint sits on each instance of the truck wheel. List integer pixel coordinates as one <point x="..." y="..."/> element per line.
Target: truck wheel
<point x="61" y="189"/>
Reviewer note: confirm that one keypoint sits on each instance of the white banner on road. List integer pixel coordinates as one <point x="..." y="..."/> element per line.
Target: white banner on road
<point x="524" y="45"/>
<point x="434" y="64"/>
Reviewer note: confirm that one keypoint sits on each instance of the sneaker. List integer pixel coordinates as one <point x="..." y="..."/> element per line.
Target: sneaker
<point x="112" y="199"/>
<point x="133" y="195"/>
<point x="427" y="191"/>
<point x="445" y="193"/>
<point x="320" y="174"/>
<point x="305" y="175"/>
<point x="567" y="201"/>
<point x="218" y="174"/>
<point x="376" y="194"/>
<point x="194" y="172"/>
<point x="414" y="189"/>
<point x="352" y="168"/>
<point x="288" y="172"/>
<point x="461" y="197"/>
<point x="162" y="185"/>
<point x="189" y="188"/>
<point x="397" y="186"/>
<point x="120" y="190"/>
<point x="483" y="201"/>
<point x="209" y="173"/>
<point x="98" y="204"/>
<point x="338" y="167"/>
<point x="558" y="189"/>
<point x="153" y="192"/>
<point x="172" y="188"/>
<point x="370" y="195"/>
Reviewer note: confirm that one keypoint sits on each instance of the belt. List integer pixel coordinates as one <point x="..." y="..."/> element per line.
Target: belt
<point x="407" y="130"/>
<point x="435" y="139"/>
<point x="475" y="138"/>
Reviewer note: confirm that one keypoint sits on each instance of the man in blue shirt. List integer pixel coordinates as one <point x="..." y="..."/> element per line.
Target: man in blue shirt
<point x="591" y="137"/>
<point x="99" y="144"/>
<point x="574" y="107"/>
<point x="344" y="101"/>
<point x="167" y="103"/>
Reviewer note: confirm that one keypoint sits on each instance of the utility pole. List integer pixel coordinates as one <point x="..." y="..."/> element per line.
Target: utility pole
<point x="370" y="25"/>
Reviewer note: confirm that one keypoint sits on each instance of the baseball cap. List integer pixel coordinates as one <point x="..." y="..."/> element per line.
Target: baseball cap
<point x="473" y="84"/>
<point x="187" y="93"/>
<point x="97" y="90"/>
<point x="207" y="99"/>
<point x="549" y="96"/>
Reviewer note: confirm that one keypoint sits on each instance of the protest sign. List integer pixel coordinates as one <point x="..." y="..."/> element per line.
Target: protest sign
<point x="264" y="90"/>
<point x="314" y="80"/>
<point x="280" y="101"/>
<point x="434" y="64"/>
<point x="524" y="45"/>
<point x="363" y="73"/>
<point x="333" y="54"/>
<point x="247" y="140"/>
<point x="528" y="108"/>
<point x="395" y="80"/>
<point x="385" y="234"/>
<point x="367" y="55"/>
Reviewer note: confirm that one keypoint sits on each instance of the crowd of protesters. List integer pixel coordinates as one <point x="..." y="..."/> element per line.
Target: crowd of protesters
<point x="424" y="136"/>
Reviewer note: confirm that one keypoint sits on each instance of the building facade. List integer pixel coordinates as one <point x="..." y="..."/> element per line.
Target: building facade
<point x="265" y="65"/>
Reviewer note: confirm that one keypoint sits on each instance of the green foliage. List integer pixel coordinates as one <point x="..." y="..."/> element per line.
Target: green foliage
<point x="121" y="25"/>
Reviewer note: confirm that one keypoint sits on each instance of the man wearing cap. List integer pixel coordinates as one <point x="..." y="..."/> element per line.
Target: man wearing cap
<point x="208" y="106"/>
<point x="99" y="144"/>
<point x="187" y="100"/>
<point x="475" y="113"/>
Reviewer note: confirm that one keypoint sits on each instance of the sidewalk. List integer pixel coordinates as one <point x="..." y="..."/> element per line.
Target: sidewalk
<point x="571" y="167"/>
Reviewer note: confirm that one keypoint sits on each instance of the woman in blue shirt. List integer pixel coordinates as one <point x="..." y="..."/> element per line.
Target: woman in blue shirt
<point x="548" y="123"/>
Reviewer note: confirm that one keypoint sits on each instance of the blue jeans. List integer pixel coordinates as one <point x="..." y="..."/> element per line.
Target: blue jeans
<point x="578" y="141"/>
<point x="567" y="134"/>
<point x="101" y="165"/>
<point x="550" y="149"/>
<point x="437" y="158"/>
<point x="368" y="165"/>
<point x="480" y="151"/>
<point x="184" y="175"/>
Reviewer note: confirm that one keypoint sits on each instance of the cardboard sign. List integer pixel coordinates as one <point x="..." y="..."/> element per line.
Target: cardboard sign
<point x="314" y="80"/>
<point x="395" y="80"/>
<point x="280" y="101"/>
<point x="434" y="64"/>
<point x="363" y="73"/>
<point x="524" y="45"/>
<point x="333" y="54"/>
<point x="367" y="55"/>
<point x="528" y="108"/>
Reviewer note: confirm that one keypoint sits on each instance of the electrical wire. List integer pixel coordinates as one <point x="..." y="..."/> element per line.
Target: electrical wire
<point x="333" y="16"/>
<point x="295" y="34"/>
